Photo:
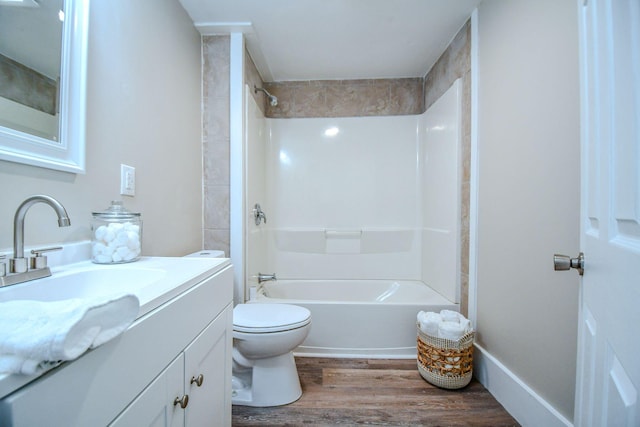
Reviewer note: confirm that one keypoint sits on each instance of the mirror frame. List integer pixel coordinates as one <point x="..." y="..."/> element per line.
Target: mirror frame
<point x="67" y="154"/>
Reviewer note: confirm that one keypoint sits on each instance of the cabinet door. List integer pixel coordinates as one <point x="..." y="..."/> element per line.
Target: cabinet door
<point x="208" y="358"/>
<point x="154" y="406"/>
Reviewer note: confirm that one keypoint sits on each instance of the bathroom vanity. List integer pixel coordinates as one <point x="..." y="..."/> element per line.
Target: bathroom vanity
<point x="172" y="367"/>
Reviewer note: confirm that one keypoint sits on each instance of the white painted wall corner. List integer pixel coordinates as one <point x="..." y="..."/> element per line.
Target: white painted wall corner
<point x="522" y="402"/>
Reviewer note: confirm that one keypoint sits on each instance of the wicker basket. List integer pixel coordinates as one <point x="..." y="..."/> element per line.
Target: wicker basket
<point x="446" y="363"/>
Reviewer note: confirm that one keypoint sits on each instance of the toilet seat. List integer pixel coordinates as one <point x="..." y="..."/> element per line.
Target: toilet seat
<point x="264" y="318"/>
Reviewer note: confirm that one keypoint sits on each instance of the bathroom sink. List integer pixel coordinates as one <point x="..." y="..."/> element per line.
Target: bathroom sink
<point x="83" y="282"/>
<point x="154" y="280"/>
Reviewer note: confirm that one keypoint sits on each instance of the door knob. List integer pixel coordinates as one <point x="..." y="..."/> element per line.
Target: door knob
<point x="564" y="262"/>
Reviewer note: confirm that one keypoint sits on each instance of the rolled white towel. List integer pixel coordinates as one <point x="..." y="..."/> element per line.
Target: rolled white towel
<point x="466" y="324"/>
<point x="429" y="322"/>
<point x="451" y="316"/>
<point x="454" y="316"/>
<point x="35" y="335"/>
<point x="450" y="330"/>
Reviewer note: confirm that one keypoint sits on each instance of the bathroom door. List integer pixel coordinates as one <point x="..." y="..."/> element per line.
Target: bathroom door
<point x="608" y="375"/>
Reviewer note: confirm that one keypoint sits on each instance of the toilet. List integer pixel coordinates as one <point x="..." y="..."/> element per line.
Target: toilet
<point x="264" y="337"/>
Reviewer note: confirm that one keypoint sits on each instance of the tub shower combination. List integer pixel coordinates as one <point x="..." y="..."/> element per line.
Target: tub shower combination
<point x="358" y="318"/>
<point x="363" y="227"/>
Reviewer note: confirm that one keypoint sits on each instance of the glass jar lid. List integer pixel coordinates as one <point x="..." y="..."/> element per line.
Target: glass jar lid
<point x="116" y="211"/>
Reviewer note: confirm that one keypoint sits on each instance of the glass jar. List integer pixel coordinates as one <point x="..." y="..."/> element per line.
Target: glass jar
<point x="116" y="235"/>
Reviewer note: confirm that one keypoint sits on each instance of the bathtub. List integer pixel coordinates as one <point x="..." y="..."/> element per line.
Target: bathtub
<point x="357" y="318"/>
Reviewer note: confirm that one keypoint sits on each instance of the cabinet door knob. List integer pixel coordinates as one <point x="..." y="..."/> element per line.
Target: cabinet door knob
<point x="183" y="401"/>
<point x="198" y="380"/>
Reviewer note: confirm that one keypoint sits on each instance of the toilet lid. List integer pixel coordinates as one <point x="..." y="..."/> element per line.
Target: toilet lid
<point x="260" y="318"/>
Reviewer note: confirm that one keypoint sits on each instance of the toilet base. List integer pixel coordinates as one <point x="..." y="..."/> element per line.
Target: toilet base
<point x="269" y="382"/>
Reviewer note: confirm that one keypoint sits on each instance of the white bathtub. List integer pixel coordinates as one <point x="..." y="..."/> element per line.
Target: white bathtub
<point x="358" y="318"/>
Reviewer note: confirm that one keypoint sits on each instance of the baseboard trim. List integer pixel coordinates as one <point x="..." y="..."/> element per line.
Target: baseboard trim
<point x="524" y="404"/>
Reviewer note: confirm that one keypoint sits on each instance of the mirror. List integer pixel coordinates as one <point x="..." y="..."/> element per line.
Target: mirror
<point x="43" y="63"/>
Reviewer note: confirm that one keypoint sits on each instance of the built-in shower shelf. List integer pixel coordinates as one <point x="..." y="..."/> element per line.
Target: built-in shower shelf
<point x="344" y="241"/>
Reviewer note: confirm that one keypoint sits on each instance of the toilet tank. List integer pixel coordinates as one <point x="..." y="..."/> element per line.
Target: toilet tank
<point x="206" y="253"/>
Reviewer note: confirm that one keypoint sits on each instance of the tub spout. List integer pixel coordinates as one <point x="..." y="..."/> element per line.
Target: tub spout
<point x="266" y="277"/>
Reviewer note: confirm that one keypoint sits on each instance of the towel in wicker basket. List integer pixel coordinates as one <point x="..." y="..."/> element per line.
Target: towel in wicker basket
<point x="444" y="362"/>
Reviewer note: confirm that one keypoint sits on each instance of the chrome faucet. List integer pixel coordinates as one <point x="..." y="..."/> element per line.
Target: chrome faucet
<point x="266" y="277"/>
<point x="19" y="269"/>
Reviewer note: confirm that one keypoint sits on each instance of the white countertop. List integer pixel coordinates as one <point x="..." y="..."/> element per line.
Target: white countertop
<point x="170" y="277"/>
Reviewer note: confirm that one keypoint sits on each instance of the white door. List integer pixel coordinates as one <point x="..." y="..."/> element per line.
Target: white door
<point x="608" y="376"/>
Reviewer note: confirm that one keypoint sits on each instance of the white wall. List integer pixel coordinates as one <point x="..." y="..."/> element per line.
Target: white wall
<point x="143" y="109"/>
<point x="373" y="201"/>
<point x="344" y="206"/>
<point x="528" y="192"/>
<point x="440" y="175"/>
<point x="364" y="176"/>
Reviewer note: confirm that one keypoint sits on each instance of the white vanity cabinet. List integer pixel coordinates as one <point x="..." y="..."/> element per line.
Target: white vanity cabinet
<point x="194" y="379"/>
<point x="155" y="407"/>
<point x="134" y="379"/>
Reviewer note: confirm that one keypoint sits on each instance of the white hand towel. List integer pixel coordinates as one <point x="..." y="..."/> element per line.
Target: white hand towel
<point x="35" y="335"/>
<point x="450" y="330"/>
<point x="429" y="322"/>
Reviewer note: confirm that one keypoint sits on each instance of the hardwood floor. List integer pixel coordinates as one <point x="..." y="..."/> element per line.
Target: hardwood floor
<point x="344" y="392"/>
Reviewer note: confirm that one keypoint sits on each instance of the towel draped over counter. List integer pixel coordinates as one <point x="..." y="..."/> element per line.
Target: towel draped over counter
<point x="36" y="335"/>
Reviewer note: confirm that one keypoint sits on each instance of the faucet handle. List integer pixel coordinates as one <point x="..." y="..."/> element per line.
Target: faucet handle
<point x="40" y="261"/>
<point x="39" y="252"/>
<point x="3" y="266"/>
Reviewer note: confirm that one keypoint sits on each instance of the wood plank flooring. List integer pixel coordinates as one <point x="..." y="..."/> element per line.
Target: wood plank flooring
<point x="346" y="392"/>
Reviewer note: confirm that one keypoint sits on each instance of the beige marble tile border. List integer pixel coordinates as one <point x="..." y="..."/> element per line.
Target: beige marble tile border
<point x="346" y="98"/>
<point x="215" y="141"/>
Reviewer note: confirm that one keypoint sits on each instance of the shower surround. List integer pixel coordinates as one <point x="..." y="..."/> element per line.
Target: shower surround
<point x="418" y="93"/>
<point x="354" y="203"/>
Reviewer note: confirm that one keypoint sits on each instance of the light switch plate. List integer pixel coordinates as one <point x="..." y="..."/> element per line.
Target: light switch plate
<point x="127" y="180"/>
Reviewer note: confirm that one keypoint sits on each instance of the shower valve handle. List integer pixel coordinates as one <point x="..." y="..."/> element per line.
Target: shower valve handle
<point x="258" y="214"/>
